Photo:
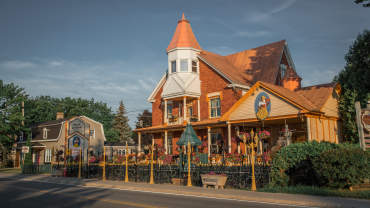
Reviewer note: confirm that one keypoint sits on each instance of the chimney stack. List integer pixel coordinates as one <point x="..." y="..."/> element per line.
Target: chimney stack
<point x="60" y="115"/>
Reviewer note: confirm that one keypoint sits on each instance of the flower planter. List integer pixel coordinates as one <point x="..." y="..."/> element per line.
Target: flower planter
<point x="177" y="181"/>
<point x="218" y="181"/>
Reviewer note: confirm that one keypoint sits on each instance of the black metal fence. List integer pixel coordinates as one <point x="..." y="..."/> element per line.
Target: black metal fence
<point x="237" y="176"/>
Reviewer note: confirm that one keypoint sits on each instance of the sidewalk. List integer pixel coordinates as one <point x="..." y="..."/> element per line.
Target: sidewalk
<point x="231" y="194"/>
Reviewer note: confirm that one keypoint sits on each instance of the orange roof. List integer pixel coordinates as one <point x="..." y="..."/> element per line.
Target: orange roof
<point x="184" y="36"/>
<point x="317" y="94"/>
<point x="249" y="66"/>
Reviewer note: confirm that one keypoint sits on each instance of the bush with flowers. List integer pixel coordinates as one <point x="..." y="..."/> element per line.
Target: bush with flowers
<point x="264" y="134"/>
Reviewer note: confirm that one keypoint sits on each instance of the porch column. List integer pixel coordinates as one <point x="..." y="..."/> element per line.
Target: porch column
<point x="138" y="142"/>
<point x="209" y="141"/>
<point x="165" y="112"/>
<point x="238" y="133"/>
<point x="308" y="129"/>
<point x="199" y="109"/>
<point x="184" y="108"/>
<point x="229" y="136"/>
<point x="165" y="141"/>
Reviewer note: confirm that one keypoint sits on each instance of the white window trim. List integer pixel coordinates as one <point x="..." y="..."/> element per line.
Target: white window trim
<point x="47" y="156"/>
<point x="44" y="133"/>
<point x="210" y="107"/>
<point x="187" y="65"/>
<point x="214" y="94"/>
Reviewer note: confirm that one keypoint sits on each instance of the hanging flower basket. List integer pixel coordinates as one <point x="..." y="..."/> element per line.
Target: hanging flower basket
<point x="264" y="134"/>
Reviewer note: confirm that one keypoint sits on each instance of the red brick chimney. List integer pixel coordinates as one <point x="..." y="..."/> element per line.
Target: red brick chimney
<point x="291" y="80"/>
<point x="60" y="115"/>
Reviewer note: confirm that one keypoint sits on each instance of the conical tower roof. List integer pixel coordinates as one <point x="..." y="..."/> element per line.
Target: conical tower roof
<point x="184" y="36"/>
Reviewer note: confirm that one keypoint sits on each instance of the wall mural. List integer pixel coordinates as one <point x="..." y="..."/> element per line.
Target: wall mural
<point x="77" y="143"/>
<point x="262" y="106"/>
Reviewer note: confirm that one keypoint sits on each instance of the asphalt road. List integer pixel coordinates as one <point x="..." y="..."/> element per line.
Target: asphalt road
<point x="16" y="193"/>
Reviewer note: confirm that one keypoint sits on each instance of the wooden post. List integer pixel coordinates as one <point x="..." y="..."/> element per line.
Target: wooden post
<point x="79" y="164"/>
<point x="165" y="112"/>
<point x="229" y="137"/>
<point x="253" y="187"/>
<point x="126" y="172"/>
<point x="166" y="141"/>
<point x="185" y="109"/>
<point x="359" y="126"/>
<point x="65" y="142"/>
<point x="209" y="141"/>
<point x="139" y="142"/>
<point x="189" y="161"/>
<point x="151" y="165"/>
<point x="104" y="164"/>
<point x="199" y="109"/>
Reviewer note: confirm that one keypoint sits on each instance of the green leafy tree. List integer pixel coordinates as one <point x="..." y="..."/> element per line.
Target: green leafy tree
<point x="365" y="3"/>
<point x="120" y="124"/>
<point x="354" y="80"/>
<point x="44" y="108"/>
<point x="144" y="119"/>
<point x="11" y="97"/>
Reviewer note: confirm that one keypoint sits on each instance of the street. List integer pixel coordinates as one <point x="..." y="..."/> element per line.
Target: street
<point x="16" y="193"/>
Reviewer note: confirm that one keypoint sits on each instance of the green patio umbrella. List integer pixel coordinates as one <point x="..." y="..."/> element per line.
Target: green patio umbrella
<point x="189" y="135"/>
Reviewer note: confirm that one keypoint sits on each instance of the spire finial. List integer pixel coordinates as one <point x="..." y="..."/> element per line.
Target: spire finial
<point x="183" y="16"/>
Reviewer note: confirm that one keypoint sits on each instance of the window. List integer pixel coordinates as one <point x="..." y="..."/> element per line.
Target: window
<point x="173" y="66"/>
<point x="169" y="144"/>
<point x="44" y="133"/>
<point x="47" y="155"/>
<point x="184" y="65"/>
<point x="190" y="111"/>
<point x="215" y="107"/>
<point x="169" y="110"/>
<point x="194" y="66"/>
<point x="283" y="70"/>
<point x="92" y="133"/>
<point x="217" y="143"/>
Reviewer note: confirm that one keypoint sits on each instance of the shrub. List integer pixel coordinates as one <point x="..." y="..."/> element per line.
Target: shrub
<point x="293" y="157"/>
<point x="342" y="167"/>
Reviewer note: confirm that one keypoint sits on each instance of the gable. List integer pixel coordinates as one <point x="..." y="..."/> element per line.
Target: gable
<point x="330" y="108"/>
<point x="278" y="106"/>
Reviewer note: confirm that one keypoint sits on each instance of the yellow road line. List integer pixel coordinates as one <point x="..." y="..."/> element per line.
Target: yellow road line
<point x="112" y="201"/>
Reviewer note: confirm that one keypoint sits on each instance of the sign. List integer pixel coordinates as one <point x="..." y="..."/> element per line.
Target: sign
<point x="25" y="149"/>
<point x="365" y="119"/>
<point x="262" y="106"/>
<point x="78" y="125"/>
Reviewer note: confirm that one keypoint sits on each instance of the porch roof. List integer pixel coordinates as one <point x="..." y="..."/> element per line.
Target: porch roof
<point x="208" y="122"/>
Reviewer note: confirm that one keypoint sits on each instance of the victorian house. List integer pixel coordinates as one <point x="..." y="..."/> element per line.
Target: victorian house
<point x="224" y="96"/>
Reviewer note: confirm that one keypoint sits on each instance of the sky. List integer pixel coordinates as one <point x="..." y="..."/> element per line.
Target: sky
<point x="113" y="50"/>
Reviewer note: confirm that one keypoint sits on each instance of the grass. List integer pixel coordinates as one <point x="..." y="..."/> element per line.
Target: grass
<point x="318" y="191"/>
<point x="10" y="170"/>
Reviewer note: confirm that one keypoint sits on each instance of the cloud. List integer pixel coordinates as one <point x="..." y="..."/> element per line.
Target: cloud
<point x="256" y="16"/>
<point x="108" y="82"/>
<point x="252" y="34"/>
<point x="313" y="75"/>
<point x="17" y="64"/>
<point x="222" y="50"/>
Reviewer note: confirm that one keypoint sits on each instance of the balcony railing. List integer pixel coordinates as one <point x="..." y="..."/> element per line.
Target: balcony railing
<point x="175" y="120"/>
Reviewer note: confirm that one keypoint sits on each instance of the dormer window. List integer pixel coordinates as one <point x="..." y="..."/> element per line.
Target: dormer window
<point x="44" y="133"/>
<point x="282" y="70"/>
<point x="194" y="66"/>
<point x="173" y="66"/>
<point x="184" y="65"/>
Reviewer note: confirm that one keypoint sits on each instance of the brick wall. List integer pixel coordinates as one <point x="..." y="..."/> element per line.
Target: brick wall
<point x="213" y="82"/>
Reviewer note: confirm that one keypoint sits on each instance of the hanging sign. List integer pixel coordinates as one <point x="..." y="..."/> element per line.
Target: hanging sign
<point x="78" y="125"/>
<point x="262" y="106"/>
<point x="365" y="118"/>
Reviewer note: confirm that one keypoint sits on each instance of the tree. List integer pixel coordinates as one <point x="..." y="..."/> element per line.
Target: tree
<point x="144" y="119"/>
<point x="354" y="81"/>
<point x="365" y="3"/>
<point x="11" y="118"/>
<point x="44" y="108"/>
<point x="120" y="124"/>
